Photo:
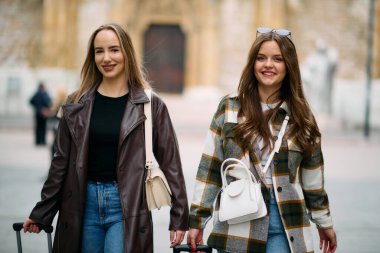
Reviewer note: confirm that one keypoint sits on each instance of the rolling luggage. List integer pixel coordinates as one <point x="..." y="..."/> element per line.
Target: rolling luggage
<point x="187" y="248"/>
<point x="18" y="226"/>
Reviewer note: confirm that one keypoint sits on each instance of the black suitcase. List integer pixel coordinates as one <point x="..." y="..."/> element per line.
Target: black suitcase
<point x="187" y="248"/>
<point x="48" y="229"/>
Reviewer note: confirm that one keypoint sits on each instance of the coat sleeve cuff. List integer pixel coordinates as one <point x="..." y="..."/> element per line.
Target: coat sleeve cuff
<point x="322" y="219"/>
<point x="197" y="222"/>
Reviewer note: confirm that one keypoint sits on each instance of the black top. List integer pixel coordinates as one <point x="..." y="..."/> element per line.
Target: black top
<point x="106" y="117"/>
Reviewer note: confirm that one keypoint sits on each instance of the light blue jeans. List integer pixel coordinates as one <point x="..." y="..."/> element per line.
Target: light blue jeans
<point x="103" y="230"/>
<point x="277" y="240"/>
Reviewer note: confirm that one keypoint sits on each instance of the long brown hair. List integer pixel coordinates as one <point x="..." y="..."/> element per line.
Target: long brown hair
<point x="302" y="122"/>
<point x="90" y="74"/>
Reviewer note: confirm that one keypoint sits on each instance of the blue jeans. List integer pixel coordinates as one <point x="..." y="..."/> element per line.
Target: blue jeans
<point x="103" y="229"/>
<point x="277" y="240"/>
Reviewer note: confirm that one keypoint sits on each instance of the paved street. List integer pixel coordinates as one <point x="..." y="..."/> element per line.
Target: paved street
<point x="352" y="178"/>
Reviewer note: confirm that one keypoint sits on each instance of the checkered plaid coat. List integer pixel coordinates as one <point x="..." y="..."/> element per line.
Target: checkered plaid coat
<point x="297" y="179"/>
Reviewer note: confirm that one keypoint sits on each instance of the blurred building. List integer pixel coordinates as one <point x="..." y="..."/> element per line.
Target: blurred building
<point x="183" y="44"/>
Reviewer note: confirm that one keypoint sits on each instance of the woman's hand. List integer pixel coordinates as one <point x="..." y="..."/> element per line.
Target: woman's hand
<point x="327" y="240"/>
<point x="30" y="226"/>
<point x="194" y="237"/>
<point x="176" y="237"/>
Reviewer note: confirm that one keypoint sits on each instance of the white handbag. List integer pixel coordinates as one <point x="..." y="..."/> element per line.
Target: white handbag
<point x="158" y="193"/>
<point x="241" y="200"/>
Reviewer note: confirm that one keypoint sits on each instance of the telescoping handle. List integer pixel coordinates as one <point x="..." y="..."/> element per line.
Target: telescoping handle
<point x="20" y="225"/>
<point x="47" y="228"/>
<point x="187" y="248"/>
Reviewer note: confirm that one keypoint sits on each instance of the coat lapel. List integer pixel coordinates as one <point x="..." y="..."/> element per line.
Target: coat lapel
<point x="133" y="114"/>
<point x="78" y="116"/>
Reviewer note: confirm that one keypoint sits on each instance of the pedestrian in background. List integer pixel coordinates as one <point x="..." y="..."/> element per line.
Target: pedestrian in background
<point x="97" y="175"/>
<point x="41" y="102"/>
<point x="245" y="126"/>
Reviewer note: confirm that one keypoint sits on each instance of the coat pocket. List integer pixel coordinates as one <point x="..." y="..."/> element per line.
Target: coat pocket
<point x="68" y="233"/>
<point x="139" y="232"/>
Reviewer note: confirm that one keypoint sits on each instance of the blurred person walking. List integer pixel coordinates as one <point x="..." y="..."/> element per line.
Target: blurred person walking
<point x="97" y="175"/>
<point x="41" y="102"/>
<point x="246" y="126"/>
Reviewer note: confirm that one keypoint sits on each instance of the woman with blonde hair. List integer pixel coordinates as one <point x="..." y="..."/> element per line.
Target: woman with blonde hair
<point x="97" y="174"/>
<point x="246" y="126"/>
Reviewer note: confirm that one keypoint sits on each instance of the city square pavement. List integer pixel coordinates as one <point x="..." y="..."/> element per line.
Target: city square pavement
<point x="352" y="176"/>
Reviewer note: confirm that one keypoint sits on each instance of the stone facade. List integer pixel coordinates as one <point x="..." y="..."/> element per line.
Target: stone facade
<point x="38" y="35"/>
<point x="54" y="33"/>
<point x="20" y="33"/>
<point x="341" y="24"/>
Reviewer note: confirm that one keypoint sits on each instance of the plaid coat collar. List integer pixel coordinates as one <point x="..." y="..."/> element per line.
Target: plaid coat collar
<point x="233" y="107"/>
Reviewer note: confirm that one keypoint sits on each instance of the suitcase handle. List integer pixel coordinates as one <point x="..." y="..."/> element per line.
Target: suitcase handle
<point x="187" y="248"/>
<point x="48" y="229"/>
<point x="19" y="225"/>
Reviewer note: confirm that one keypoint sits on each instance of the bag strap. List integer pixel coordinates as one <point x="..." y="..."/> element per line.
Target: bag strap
<point x="277" y="144"/>
<point x="149" y="157"/>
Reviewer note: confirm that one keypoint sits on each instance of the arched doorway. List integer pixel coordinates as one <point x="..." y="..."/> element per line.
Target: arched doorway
<point x="164" y="57"/>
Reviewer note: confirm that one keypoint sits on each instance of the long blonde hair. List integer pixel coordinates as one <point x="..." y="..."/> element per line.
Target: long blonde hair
<point x="90" y="74"/>
<point x="303" y="125"/>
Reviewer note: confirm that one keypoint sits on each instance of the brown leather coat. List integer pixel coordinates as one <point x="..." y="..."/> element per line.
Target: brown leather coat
<point x="65" y="187"/>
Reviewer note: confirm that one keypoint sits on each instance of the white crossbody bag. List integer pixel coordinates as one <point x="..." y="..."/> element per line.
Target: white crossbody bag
<point x="242" y="200"/>
<point x="158" y="193"/>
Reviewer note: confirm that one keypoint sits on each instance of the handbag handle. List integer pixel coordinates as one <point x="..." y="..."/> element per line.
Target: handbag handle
<point x="149" y="157"/>
<point x="239" y="164"/>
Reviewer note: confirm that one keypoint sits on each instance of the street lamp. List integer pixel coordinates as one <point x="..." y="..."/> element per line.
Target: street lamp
<point x="369" y="67"/>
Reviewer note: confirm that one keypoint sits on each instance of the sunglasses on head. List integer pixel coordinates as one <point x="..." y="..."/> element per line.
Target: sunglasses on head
<point x="281" y="32"/>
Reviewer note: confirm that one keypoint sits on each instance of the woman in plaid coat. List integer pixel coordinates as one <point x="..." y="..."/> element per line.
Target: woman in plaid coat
<point x="245" y="126"/>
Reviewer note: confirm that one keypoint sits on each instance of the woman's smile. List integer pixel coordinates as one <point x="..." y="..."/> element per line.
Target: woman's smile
<point x="109" y="67"/>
